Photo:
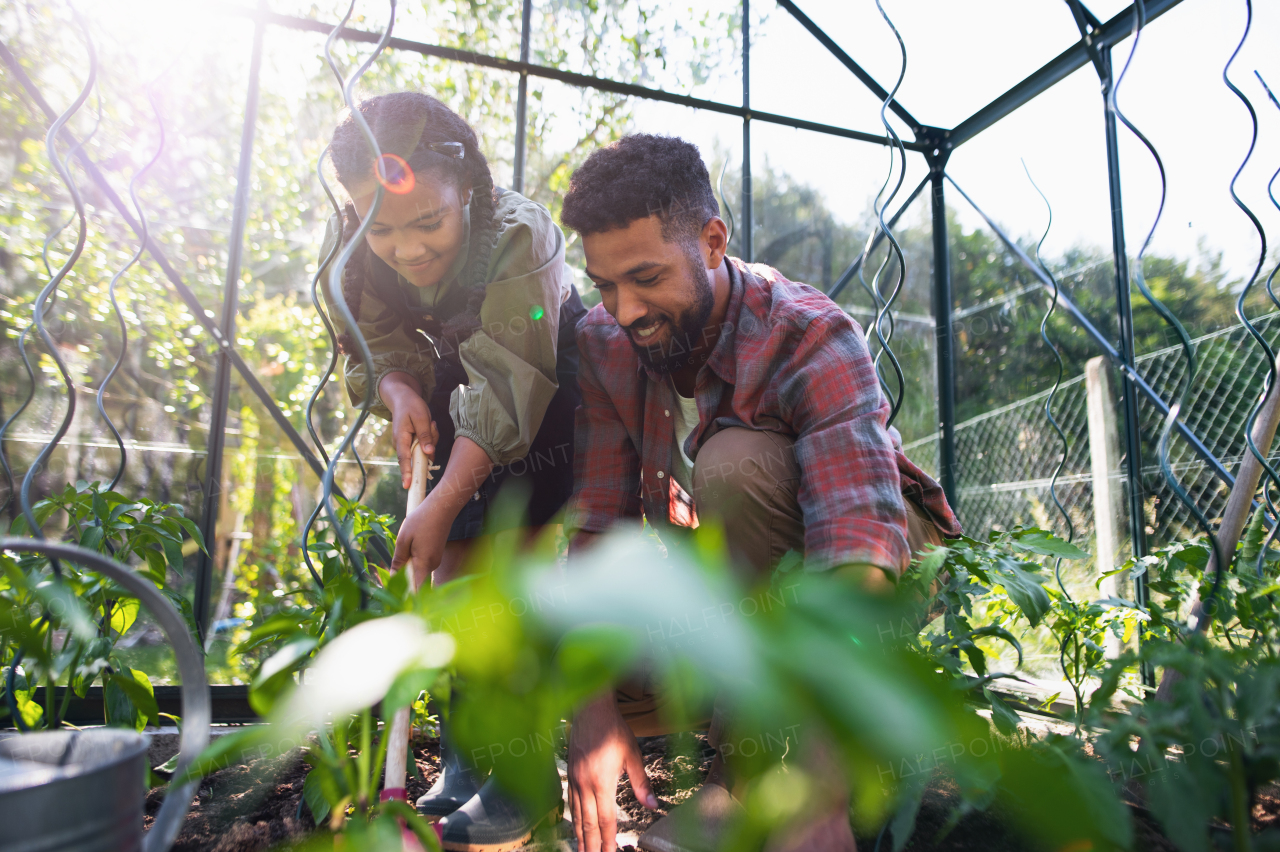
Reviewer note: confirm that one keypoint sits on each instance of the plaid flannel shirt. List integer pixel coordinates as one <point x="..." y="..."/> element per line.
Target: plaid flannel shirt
<point x="790" y="361"/>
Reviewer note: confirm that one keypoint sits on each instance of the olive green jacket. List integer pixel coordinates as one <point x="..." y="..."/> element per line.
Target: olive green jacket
<point x="510" y="361"/>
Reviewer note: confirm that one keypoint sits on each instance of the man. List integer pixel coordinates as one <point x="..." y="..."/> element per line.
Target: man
<point x="714" y="388"/>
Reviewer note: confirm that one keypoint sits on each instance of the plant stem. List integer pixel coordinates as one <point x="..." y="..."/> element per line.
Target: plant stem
<point x="66" y="696"/>
<point x="49" y="697"/>
<point x="1240" y="829"/>
<point x="366" y="738"/>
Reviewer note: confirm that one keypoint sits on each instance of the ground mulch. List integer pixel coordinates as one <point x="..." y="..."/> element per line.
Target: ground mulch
<point x="255" y="805"/>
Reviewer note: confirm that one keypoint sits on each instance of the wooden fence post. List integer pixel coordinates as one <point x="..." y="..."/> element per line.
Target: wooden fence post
<point x="1104" y="464"/>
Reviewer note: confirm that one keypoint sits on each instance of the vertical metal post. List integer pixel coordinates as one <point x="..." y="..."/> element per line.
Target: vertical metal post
<point x="748" y="251"/>
<point x="1124" y="316"/>
<point x="944" y="342"/>
<point x="230" y="306"/>
<point x="522" y="100"/>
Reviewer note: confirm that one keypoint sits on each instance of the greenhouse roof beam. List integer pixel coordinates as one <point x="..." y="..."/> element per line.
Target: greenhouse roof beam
<point x="1057" y="69"/>
<point x="571" y="78"/>
<point x="858" y="71"/>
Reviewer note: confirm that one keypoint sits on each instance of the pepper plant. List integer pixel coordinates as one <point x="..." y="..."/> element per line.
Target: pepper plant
<point x="60" y="624"/>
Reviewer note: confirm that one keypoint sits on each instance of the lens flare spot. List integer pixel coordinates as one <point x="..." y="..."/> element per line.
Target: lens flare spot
<point x="536" y="313"/>
<point x="395" y="175"/>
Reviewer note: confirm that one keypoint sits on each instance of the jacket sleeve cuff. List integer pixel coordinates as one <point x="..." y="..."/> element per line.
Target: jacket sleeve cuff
<point x="848" y="542"/>
<point x="490" y="450"/>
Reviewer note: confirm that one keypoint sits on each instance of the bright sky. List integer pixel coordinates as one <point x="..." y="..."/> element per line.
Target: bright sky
<point x="962" y="55"/>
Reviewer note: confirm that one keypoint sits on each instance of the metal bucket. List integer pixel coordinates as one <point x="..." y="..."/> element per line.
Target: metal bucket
<point x="84" y="791"/>
<point x="77" y="790"/>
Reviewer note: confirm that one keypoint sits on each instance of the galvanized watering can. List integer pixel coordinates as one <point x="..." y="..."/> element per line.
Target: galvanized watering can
<point x="83" y="791"/>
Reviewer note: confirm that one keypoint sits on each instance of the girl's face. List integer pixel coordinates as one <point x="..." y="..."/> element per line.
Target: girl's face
<point x="418" y="234"/>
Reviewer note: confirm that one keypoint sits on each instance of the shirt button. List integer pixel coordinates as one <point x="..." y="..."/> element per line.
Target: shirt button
<point x="666" y="412"/>
<point x="660" y="474"/>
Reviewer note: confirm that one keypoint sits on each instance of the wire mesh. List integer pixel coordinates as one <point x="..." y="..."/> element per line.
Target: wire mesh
<point x="1004" y="470"/>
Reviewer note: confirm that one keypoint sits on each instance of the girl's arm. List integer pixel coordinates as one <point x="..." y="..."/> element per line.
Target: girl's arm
<point x="410" y="420"/>
<point x="425" y="530"/>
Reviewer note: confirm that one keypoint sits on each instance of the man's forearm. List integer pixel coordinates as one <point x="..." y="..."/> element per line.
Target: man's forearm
<point x="870" y="578"/>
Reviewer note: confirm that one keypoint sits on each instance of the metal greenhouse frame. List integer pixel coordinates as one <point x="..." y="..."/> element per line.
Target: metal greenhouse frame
<point x="934" y="144"/>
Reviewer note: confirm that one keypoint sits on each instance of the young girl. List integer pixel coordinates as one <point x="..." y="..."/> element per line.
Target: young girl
<point x="463" y="297"/>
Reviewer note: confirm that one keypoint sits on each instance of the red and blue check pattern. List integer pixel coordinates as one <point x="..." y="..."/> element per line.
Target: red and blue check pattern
<point x="788" y="360"/>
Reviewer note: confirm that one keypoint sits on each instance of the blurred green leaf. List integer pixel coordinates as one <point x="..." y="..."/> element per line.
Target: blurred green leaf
<point x="1025" y="589"/>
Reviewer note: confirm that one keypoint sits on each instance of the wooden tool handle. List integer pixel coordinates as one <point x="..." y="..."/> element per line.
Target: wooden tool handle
<point x="398" y="735"/>
<point x="418" y="483"/>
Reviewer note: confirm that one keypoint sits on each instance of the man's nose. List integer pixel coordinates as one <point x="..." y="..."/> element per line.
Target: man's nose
<point x="629" y="308"/>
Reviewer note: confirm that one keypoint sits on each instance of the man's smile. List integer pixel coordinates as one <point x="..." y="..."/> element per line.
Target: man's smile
<point x="645" y="332"/>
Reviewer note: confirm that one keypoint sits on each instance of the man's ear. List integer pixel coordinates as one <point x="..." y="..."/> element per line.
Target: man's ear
<point x="715" y="241"/>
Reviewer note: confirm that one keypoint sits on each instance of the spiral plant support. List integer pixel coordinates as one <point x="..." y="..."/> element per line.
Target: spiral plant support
<point x="1183" y="449"/>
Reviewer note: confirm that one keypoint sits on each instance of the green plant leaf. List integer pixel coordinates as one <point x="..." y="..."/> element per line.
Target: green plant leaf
<point x="1063" y="800"/>
<point x="1183" y="808"/>
<point x="193" y="531"/>
<point x="173" y="554"/>
<point x="155" y="565"/>
<point x="183" y="606"/>
<point x="590" y="656"/>
<point x="276" y="674"/>
<point x="903" y="824"/>
<point x="92" y="538"/>
<point x="131" y="700"/>
<point x="29" y="710"/>
<point x="931" y="564"/>
<point x="62" y="603"/>
<point x="123" y="614"/>
<point x="1251" y="541"/>
<point x="998" y="632"/>
<point x="1004" y="716"/>
<point x="405" y="688"/>
<point x="1024" y="589"/>
<point x="1047" y="544"/>
<point x="313" y="795"/>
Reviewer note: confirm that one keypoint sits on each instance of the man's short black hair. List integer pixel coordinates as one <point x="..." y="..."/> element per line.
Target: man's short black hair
<point x="640" y="176"/>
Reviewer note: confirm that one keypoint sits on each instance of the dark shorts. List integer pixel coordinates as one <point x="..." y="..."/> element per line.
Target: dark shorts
<point x="543" y="479"/>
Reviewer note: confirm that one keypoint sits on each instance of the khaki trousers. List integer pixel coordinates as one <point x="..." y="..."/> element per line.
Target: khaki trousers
<point x="747" y="480"/>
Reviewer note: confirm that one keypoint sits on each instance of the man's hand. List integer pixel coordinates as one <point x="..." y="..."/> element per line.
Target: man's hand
<point x="410" y="420"/>
<point x="422" y="538"/>
<point x="600" y="747"/>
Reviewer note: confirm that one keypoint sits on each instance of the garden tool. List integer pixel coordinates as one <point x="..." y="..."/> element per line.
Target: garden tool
<point x="398" y="737"/>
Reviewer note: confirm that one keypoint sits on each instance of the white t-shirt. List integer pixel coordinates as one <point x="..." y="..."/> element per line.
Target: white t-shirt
<point x="685" y="417"/>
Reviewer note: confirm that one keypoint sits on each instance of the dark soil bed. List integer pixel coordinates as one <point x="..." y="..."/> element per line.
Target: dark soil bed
<point x="255" y="805"/>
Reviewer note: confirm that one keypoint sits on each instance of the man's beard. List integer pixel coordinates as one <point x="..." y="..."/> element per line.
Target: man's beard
<point x="687" y="333"/>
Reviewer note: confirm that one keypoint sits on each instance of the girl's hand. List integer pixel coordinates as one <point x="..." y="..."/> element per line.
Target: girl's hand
<point x="410" y="420"/>
<point x="422" y="538"/>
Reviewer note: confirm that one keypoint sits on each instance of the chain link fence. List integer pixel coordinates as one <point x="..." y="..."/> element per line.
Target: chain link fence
<point x="1006" y="457"/>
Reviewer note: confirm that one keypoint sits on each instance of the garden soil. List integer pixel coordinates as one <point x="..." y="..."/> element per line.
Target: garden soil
<point x="255" y="805"/>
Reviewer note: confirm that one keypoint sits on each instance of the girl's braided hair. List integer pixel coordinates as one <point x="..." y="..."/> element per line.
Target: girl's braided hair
<point x="413" y="126"/>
